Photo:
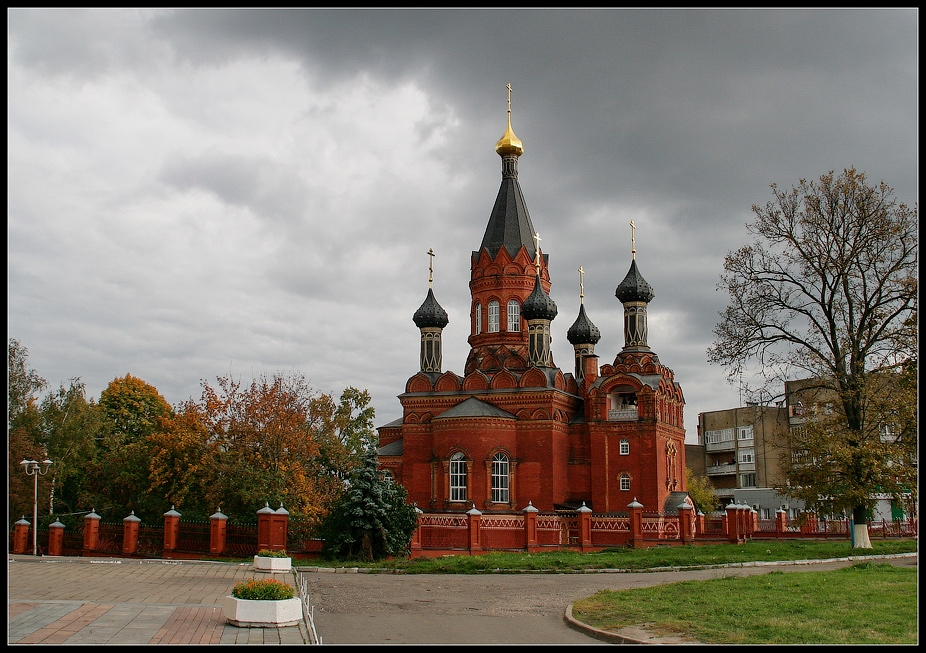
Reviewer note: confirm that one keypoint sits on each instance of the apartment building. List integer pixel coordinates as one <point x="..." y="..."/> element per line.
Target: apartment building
<point x="742" y="451"/>
<point x="805" y="401"/>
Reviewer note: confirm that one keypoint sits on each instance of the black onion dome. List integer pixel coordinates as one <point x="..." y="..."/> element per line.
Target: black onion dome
<point x="431" y="314"/>
<point x="634" y="287"/>
<point x="583" y="331"/>
<point x="538" y="305"/>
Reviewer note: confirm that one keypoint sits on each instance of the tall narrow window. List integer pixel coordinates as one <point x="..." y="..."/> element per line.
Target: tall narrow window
<point x="500" y="478"/>
<point x="625" y="447"/>
<point x="478" y="319"/>
<point x="493" y="316"/>
<point x="514" y="315"/>
<point x="457" y="477"/>
<point x="625" y="482"/>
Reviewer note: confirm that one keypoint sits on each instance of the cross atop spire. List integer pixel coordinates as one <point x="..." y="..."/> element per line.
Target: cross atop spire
<point x="581" y="285"/>
<point x="509" y="144"/>
<point x="537" y="240"/>
<point x="431" y="254"/>
<point x="633" y="242"/>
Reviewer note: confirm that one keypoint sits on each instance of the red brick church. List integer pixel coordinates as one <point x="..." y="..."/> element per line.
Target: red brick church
<point x="514" y="429"/>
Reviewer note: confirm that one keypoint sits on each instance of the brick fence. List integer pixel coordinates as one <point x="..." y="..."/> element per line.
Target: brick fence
<point x="438" y="534"/>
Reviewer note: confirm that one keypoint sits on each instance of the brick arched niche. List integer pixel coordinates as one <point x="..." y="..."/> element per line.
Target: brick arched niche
<point x="623" y="400"/>
<point x="459" y="434"/>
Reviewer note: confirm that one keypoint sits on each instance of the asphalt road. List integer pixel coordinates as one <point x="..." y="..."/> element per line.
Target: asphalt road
<point x="363" y="608"/>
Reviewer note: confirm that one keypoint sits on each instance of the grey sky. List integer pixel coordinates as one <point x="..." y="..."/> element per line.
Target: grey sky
<point x="194" y="193"/>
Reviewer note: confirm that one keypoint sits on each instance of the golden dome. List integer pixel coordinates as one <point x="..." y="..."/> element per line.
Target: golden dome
<point x="509" y="144"/>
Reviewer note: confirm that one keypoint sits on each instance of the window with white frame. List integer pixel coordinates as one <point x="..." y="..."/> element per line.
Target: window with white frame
<point x="388" y="479"/>
<point x="747" y="480"/>
<point x="478" y="319"/>
<point x="493" y="316"/>
<point x="744" y="432"/>
<point x="514" y="315"/>
<point x="887" y="433"/>
<point x="625" y="447"/>
<point x="748" y="455"/>
<point x="716" y="437"/>
<point x="625" y="482"/>
<point x="500" y="469"/>
<point x="457" y="477"/>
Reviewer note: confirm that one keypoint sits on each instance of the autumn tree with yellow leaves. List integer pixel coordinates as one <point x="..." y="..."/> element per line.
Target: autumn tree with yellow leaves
<point x="275" y="440"/>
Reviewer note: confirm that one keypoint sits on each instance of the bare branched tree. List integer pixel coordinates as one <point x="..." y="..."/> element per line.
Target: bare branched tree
<point x="827" y="290"/>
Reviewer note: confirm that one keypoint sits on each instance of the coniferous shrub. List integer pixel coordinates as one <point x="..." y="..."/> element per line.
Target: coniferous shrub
<point x="372" y="519"/>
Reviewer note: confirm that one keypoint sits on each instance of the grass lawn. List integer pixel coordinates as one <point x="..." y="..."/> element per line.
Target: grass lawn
<point x="629" y="559"/>
<point x="867" y="603"/>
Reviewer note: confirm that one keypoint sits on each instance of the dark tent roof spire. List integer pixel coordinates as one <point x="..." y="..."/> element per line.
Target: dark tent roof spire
<point x="510" y="223"/>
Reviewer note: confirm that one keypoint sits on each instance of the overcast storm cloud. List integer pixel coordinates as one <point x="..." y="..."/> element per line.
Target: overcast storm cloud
<point x="195" y="193"/>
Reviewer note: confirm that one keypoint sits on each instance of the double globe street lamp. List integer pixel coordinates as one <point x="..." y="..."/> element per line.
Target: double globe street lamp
<point x="36" y="469"/>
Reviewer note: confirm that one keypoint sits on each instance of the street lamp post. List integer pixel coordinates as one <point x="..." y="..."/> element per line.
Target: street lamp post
<point x="36" y="469"/>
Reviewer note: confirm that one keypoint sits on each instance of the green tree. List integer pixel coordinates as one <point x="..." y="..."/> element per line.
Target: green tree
<point x="826" y="290"/>
<point x="22" y="384"/>
<point x="133" y="408"/>
<point x="69" y="427"/>
<point x="344" y="431"/>
<point x="23" y="430"/>
<point x="701" y="491"/>
<point x="117" y="480"/>
<point x="372" y="520"/>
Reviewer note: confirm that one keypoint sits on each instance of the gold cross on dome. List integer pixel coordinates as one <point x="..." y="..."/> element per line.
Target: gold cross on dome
<point x="633" y="242"/>
<point x="537" y="240"/>
<point x="431" y="267"/>
<point x="581" y="283"/>
<point x="508" y="86"/>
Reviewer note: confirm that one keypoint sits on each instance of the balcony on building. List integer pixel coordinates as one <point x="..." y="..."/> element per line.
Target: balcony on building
<point x="727" y="445"/>
<point x="720" y="440"/>
<point x="623" y="414"/>
<point x="721" y="470"/>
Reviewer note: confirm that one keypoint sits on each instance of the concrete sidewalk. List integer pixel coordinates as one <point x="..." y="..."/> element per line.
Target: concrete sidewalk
<point x="63" y="600"/>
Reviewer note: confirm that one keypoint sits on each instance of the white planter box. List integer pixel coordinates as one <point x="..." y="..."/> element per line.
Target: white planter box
<point x="273" y="565"/>
<point x="263" y="614"/>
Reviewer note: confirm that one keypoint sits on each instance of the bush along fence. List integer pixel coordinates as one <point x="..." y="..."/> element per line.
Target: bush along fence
<point x="469" y="533"/>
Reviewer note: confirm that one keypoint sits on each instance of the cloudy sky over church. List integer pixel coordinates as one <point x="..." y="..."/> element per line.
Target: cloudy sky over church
<point x="194" y="194"/>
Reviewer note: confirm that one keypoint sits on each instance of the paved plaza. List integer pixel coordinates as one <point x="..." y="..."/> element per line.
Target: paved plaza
<point x="126" y="601"/>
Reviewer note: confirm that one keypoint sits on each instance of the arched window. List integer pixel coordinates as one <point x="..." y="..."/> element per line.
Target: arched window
<point x="493" y="316"/>
<point x="625" y="447"/>
<point x="478" y="319"/>
<point x="500" y="470"/>
<point x="625" y="482"/>
<point x="457" y="477"/>
<point x="388" y="479"/>
<point x="514" y="315"/>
